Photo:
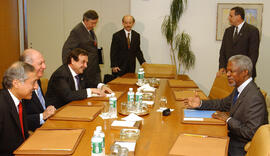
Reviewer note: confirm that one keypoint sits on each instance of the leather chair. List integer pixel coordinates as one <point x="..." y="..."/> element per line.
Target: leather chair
<point x="260" y="143"/>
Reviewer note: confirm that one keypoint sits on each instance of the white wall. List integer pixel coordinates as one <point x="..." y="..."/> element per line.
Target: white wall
<point x="199" y="20"/>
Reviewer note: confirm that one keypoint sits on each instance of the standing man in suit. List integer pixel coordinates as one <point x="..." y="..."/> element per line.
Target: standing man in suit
<point x="36" y="109"/>
<point x="125" y="48"/>
<point x="246" y="105"/>
<point x="83" y="36"/>
<point x="67" y="83"/>
<point x="19" y="81"/>
<point x="240" y="38"/>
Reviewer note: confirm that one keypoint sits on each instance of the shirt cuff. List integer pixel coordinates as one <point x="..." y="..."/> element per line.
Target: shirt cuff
<point x="100" y="85"/>
<point x="228" y="119"/>
<point x="200" y="104"/>
<point x="41" y="121"/>
<point x="89" y="92"/>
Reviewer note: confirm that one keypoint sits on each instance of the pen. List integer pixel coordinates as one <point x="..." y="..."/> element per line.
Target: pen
<point x="196" y="135"/>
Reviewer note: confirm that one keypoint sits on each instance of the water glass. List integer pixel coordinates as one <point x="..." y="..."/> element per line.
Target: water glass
<point x="163" y="103"/>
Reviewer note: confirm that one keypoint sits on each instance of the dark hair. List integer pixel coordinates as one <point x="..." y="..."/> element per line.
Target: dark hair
<point x="239" y="11"/>
<point x="127" y="16"/>
<point x="75" y="54"/>
<point x="17" y="71"/>
<point x="90" y="14"/>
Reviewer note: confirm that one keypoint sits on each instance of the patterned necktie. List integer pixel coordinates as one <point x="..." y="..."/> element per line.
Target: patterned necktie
<point x="78" y="81"/>
<point x="128" y="40"/>
<point x="235" y="34"/>
<point x="235" y="96"/>
<point x="21" y="118"/>
<point x="41" y="98"/>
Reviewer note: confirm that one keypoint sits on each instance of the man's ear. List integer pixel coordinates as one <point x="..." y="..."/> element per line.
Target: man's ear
<point x="16" y="83"/>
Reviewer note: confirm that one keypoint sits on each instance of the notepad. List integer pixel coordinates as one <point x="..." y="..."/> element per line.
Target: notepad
<point x="191" y="113"/>
<point x="123" y="123"/>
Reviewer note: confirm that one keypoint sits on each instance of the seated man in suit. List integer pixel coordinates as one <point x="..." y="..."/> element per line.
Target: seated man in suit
<point x="19" y="81"/>
<point x="125" y="48"/>
<point x="246" y="105"/>
<point x="35" y="108"/>
<point x="68" y="84"/>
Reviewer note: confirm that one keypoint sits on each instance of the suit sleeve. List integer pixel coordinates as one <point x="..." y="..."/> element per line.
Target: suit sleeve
<point x="219" y="104"/>
<point x="139" y="53"/>
<point x="71" y="43"/>
<point x="254" y="42"/>
<point x="222" y="56"/>
<point x="253" y="119"/>
<point x="114" y="50"/>
<point x="65" y="92"/>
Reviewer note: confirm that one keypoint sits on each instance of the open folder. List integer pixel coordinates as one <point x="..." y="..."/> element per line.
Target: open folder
<point x="51" y="142"/>
<point x="199" y="145"/>
<point x="193" y="116"/>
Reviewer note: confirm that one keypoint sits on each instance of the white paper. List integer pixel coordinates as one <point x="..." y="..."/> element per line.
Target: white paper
<point x="129" y="145"/>
<point x="123" y="123"/>
<point x="193" y="119"/>
<point x="132" y="117"/>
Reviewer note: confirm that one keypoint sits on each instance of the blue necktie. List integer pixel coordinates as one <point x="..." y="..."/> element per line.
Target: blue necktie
<point x="41" y="98"/>
<point x="235" y="96"/>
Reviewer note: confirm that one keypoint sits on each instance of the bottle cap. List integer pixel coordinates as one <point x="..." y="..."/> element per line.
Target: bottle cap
<point x="112" y="94"/>
<point x="130" y="89"/>
<point x="99" y="128"/>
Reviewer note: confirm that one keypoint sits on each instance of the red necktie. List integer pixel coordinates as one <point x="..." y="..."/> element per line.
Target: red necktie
<point x="21" y="118"/>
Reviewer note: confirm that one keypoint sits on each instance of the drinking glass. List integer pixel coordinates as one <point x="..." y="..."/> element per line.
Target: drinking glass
<point x="163" y="103"/>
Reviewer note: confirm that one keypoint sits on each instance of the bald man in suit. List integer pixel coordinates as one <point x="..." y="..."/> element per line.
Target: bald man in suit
<point x="125" y="48"/>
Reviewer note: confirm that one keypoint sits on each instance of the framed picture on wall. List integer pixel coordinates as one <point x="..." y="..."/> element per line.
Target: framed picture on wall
<point x="253" y="15"/>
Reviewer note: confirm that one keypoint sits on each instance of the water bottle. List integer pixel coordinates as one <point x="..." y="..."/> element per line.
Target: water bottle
<point x="102" y="135"/>
<point x="138" y="101"/>
<point x="140" y="76"/>
<point x="130" y="96"/>
<point x="113" y="106"/>
<point x="96" y="144"/>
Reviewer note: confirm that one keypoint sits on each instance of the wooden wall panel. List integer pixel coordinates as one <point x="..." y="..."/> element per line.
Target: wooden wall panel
<point x="9" y="35"/>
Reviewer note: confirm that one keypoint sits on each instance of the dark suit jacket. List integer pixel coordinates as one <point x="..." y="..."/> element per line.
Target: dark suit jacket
<point x="123" y="57"/>
<point x="79" y="37"/>
<point x="33" y="109"/>
<point x="61" y="88"/>
<point x="248" y="113"/>
<point x="247" y="43"/>
<point x="10" y="129"/>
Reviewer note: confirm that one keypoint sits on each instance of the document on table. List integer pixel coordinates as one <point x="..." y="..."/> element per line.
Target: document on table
<point x="191" y="113"/>
<point x="123" y="123"/>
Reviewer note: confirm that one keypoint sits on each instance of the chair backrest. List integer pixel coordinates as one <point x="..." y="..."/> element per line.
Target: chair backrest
<point x="160" y="70"/>
<point x="44" y="84"/>
<point x="220" y="88"/>
<point x="260" y="143"/>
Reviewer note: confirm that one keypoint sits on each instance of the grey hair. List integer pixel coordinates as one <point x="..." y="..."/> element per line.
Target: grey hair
<point x="17" y="71"/>
<point x="243" y="62"/>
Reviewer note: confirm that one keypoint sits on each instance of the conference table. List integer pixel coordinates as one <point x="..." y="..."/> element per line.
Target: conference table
<point x="157" y="133"/>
